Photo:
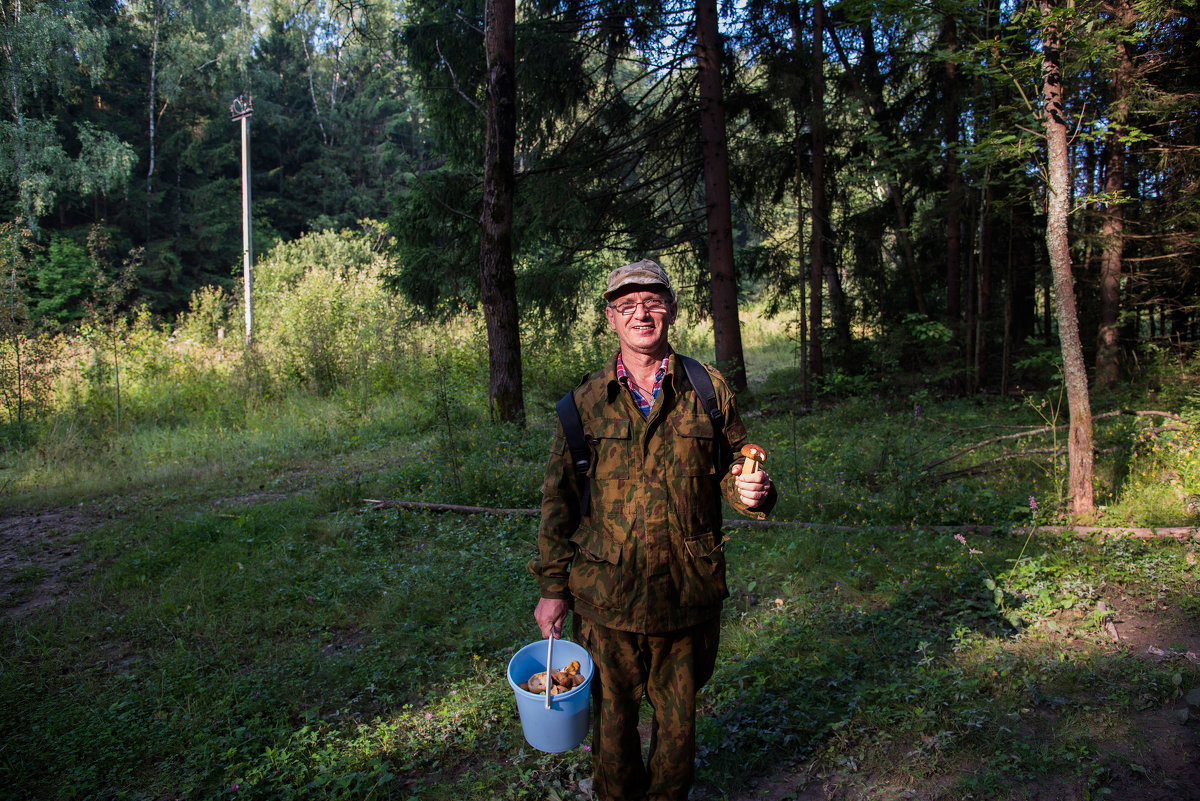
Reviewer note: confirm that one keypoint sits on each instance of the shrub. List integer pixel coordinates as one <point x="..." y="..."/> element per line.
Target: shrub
<point x="324" y="316"/>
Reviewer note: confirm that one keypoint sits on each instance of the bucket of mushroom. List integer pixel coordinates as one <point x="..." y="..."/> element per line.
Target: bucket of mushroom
<point x="554" y="718"/>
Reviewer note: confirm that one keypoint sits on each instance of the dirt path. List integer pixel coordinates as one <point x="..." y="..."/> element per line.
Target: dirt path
<point x="41" y="549"/>
<point x="39" y="553"/>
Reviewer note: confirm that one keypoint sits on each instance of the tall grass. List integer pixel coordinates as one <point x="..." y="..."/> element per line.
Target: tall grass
<point x="340" y="366"/>
<point x="239" y="623"/>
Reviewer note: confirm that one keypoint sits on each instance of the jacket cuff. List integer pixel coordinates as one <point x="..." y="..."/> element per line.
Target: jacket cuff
<point x="548" y="586"/>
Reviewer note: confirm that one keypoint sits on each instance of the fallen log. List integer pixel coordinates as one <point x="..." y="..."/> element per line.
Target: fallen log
<point x="1084" y="532"/>
<point x="450" y="507"/>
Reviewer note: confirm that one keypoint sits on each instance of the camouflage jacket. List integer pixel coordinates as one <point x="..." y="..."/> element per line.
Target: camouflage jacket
<point x="650" y="556"/>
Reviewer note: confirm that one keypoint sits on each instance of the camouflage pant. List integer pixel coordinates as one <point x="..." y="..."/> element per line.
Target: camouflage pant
<point x="668" y="670"/>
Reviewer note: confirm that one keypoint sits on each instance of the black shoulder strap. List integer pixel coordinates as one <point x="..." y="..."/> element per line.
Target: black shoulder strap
<point x="702" y="383"/>
<point x="581" y="457"/>
<point x="572" y="425"/>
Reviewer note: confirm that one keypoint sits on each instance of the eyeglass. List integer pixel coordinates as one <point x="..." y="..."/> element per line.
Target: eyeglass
<point x="652" y="306"/>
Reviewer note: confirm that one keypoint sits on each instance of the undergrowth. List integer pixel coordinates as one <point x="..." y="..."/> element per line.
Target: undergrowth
<point x="312" y="648"/>
<point x="239" y="621"/>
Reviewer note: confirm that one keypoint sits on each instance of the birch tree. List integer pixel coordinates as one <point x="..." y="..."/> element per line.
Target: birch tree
<point x="42" y="45"/>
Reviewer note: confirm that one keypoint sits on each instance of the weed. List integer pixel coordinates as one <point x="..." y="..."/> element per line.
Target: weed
<point x="247" y="627"/>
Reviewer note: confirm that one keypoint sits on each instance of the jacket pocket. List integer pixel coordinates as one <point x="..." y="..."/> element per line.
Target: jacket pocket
<point x="694" y="445"/>
<point x="609" y="440"/>
<point x="597" y="576"/>
<point x="702" y="571"/>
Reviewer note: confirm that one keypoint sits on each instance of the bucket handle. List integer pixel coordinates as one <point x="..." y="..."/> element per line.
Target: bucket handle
<point x="549" y="653"/>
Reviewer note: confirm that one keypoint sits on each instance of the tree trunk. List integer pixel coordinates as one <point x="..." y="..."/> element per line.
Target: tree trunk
<point x="12" y="21"/>
<point x="1009" y="307"/>
<point x="954" y="193"/>
<point x="727" y="330"/>
<point x="798" y="109"/>
<point x="817" y="245"/>
<point x="1079" y="445"/>
<point x="839" y="313"/>
<point x="876" y="86"/>
<point x="986" y="263"/>
<point x="153" y="101"/>
<point x="1113" y="225"/>
<point x="497" y="279"/>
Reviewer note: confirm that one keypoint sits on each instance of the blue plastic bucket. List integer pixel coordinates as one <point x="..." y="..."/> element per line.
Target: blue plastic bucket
<point x="564" y="725"/>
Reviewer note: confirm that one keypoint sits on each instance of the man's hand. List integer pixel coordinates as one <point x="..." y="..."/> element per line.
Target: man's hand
<point x="752" y="488"/>
<point x="550" y="614"/>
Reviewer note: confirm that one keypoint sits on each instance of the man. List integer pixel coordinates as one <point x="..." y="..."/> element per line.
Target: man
<point x="644" y="570"/>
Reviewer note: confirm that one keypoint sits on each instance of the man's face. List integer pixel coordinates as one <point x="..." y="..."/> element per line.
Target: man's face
<point x="644" y="331"/>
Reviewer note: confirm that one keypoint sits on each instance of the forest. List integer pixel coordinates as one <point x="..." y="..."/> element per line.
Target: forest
<point x="878" y="173"/>
<point x="290" y="288"/>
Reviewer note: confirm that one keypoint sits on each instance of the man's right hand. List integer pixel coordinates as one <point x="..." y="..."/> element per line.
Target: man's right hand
<point x="550" y="614"/>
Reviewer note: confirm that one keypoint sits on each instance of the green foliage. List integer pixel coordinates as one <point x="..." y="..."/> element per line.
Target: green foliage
<point x="323" y="312"/>
<point x="209" y="316"/>
<point x="436" y="234"/>
<point x="65" y="279"/>
<point x="27" y="356"/>
<point x="232" y="504"/>
<point x="47" y="46"/>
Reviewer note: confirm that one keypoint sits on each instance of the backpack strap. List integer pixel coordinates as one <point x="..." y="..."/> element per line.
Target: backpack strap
<point x="581" y="457"/>
<point x="702" y="384"/>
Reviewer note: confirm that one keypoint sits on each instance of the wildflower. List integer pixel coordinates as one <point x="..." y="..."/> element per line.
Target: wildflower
<point x="429" y="716"/>
<point x="1033" y="507"/>
<point x="961" y="539"/>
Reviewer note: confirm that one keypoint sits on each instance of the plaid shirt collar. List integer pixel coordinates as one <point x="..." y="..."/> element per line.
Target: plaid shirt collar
<point x="644" y="404"/>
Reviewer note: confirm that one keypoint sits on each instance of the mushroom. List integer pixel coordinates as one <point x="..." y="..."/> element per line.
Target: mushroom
<point x="537" y="682"/>
<point x="560" y="680"/>
<point x="754" y="456"/>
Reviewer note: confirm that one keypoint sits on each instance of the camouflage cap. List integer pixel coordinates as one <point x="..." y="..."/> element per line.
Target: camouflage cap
<point x="645" y="273"/>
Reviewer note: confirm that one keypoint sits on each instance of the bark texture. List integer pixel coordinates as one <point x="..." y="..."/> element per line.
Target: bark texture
<point x="727" y="329"/>
<point x="816" y="314"/>
<point x="954" y="192"/>
<point x="1079" y="442"/>
<point x="1112" y="231"/>
<point x="497" y="281"/>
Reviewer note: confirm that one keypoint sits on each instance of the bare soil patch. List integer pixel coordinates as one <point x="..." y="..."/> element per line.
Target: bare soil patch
<point x="39" y="552"/>
<point x="40" y="549"/>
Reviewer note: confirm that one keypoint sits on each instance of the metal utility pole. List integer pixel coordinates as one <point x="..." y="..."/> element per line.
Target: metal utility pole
<point x="241" y="110"/>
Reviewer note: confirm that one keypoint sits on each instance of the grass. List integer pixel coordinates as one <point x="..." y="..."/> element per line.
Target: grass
<point x="302" y="649"/>
<point x="236" y="622"/>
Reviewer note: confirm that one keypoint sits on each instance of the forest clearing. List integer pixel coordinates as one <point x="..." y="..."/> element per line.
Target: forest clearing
<point x="289" y="291"/>
<point x="227" y="610"/>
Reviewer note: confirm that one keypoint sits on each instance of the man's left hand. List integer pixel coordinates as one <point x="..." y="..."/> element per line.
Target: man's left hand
<point x="752" y="488"/>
